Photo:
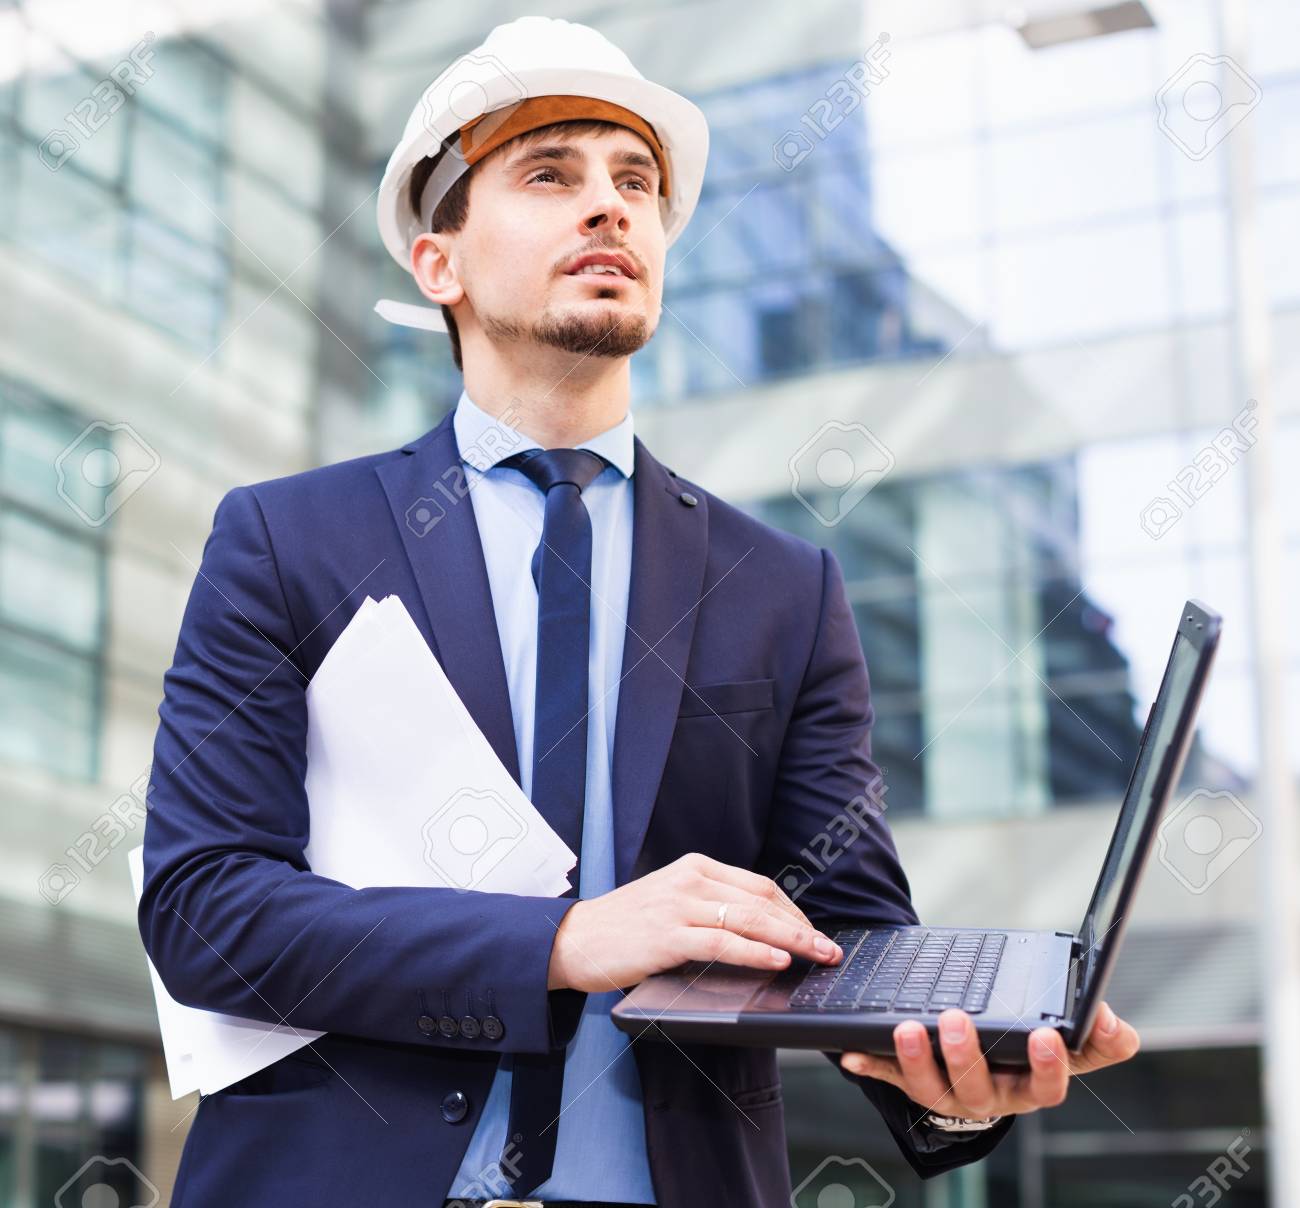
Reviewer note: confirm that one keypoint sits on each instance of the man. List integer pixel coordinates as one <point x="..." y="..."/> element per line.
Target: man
<point x="678" y="688"/>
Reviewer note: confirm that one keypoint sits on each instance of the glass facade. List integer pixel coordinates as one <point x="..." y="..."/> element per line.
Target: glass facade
<point x="959" y="310"/>
<point x="71" y="1119"/>
<point x="52" y="589"/>
<point x="139" y="177"/>
<point x="1160" y="1120"/>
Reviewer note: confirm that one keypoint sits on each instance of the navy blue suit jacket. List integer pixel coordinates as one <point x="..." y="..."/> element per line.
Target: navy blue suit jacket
<point x="772" y="743"/>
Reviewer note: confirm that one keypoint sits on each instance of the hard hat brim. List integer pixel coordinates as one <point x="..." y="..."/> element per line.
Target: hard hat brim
<point x="679" y="124"/>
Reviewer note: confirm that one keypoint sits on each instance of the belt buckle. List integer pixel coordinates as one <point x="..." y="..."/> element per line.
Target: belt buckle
<point x="513" y="1204"/>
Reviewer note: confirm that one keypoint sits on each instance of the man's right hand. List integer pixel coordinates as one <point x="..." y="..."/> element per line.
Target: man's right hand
<point x="670" y="916"/>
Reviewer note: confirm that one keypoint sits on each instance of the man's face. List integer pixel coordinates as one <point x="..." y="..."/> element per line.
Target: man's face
<point x="535" y="212"/>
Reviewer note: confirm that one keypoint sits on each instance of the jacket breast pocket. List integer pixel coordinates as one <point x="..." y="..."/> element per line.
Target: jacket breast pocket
<point x="296" y="1072"/>
<point x="741" y="696"/>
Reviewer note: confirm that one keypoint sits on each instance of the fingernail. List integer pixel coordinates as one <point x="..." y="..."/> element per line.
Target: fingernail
<point x="823" y="946"/>
<point x="954" y="1030"/>
<point x="911" y="1041"/>
<point x="779" y="956"/>
<point x="1109" y="1020"/>
<point x="1041" y="1047"/>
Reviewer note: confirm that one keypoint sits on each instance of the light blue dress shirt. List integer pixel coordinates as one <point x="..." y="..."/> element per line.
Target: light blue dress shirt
<point x="600" y="1149"/>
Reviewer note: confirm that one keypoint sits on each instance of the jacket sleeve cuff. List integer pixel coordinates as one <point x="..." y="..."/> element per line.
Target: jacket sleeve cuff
<point x="929" y="1151"/>
<point x="536" y="1019"/>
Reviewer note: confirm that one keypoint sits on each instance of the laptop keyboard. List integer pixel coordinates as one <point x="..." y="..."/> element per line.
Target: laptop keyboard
<point x="890" y="970"/>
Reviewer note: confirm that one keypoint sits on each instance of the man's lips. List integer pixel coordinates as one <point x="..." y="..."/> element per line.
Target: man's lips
<point x="617" y="260"/>
<point x="601" y="278"/>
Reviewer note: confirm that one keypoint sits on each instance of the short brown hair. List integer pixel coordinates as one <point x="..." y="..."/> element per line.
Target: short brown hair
<point x="452" y="211"/>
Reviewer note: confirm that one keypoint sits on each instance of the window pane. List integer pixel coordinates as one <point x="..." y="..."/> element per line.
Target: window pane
<point x="64" y="109"/>
<point x="176" y="176"/>
<point x="189" y="85"/>
<point x="47" y="707"/>
<point x="10" y="148"/>
<point x="49" y="581"/>
<point x="842" y="219"/>
<point x="175" y="282"/>
<point x="1057" y="177"/>
<point x="69" y="219"/>
<point x="31" y="440"/>
<point x="1102" y="281"/>
<point x="10" y="1089"/>
<point x="87" y="1105"/>
<point x="13" y="52"/>
<point x="715" y="335"/>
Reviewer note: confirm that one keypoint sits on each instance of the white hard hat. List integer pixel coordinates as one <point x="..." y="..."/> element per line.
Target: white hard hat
<point x="530" y="73"/>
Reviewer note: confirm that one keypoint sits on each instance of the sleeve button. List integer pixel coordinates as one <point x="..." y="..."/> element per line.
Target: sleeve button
<point x="455" y="1107"/>
<point x="493" y="1028"/>
<point x="448" y="1027"/>
<point x="427" y="1024"/>
<point x="469" y="1027"/>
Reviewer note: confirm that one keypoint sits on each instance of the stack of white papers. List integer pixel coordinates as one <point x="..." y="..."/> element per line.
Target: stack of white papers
<point x="403" y="789"/>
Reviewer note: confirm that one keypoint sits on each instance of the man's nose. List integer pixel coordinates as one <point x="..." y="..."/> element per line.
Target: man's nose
<point x="606" y="208"/>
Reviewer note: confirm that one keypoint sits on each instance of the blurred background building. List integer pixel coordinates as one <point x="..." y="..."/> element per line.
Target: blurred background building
<point x="962" y="301"/>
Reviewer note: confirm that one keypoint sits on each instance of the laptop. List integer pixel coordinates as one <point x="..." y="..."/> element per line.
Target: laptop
<point x="1009" y="981"/>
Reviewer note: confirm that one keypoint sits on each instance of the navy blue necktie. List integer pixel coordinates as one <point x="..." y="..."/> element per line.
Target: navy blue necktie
<point x="561" y="568"/>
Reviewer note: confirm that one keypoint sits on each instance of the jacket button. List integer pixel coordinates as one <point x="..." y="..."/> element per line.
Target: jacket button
<point x="493" y="1028"/>
<point x="427" y="1024"/>
<point x="448" y="1026"/>
<point x="455" y="1107"/>
<point x="688" y="499"/>
<point x="469" y="1027"/>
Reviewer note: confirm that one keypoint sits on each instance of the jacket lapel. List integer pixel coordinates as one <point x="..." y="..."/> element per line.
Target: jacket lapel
<point x="669" y="544"/>
<point x="428" y="483"/>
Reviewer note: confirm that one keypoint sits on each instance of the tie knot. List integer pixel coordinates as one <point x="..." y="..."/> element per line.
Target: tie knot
<point x="549" y="467"/>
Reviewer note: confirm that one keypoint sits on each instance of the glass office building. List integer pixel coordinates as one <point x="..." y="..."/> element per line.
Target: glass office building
<point x="959" y="302"/>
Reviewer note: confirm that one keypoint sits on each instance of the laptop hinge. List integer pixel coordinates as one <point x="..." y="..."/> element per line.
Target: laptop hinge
<point x="1076" y="947"/>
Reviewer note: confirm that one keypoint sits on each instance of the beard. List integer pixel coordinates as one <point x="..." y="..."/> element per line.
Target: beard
<point x="604" y="332"/>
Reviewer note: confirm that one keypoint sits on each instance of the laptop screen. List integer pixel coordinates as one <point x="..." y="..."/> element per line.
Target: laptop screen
<point x="1148" y="789"/>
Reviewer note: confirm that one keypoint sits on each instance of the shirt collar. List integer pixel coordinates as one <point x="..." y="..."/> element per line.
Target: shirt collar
<point x="484" y="440"/>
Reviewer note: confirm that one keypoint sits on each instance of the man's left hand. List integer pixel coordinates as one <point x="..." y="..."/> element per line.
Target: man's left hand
<point x="970" y="1089"/>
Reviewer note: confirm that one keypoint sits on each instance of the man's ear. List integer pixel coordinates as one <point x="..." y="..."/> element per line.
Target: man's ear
<point x="435" y="275"/>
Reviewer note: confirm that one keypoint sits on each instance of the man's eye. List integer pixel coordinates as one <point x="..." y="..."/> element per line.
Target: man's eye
<point x="536" y="176"/>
